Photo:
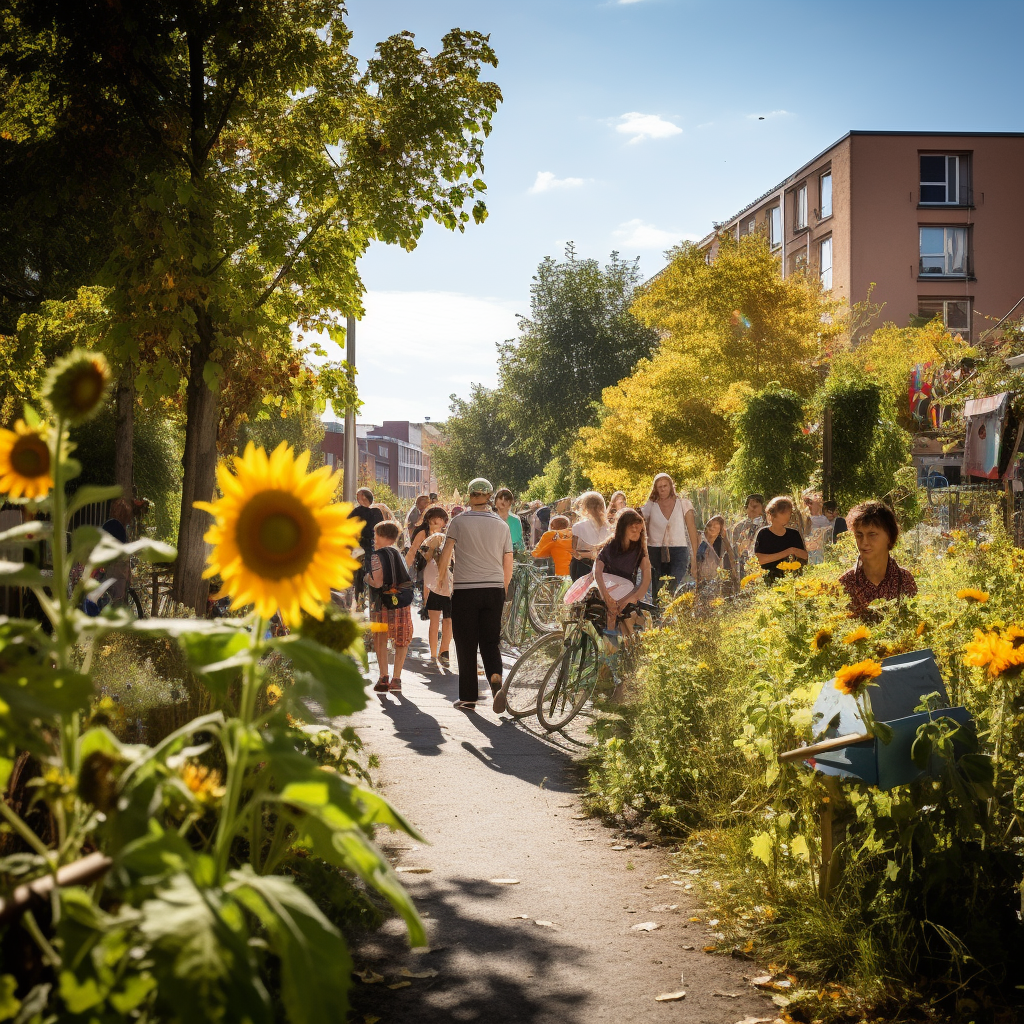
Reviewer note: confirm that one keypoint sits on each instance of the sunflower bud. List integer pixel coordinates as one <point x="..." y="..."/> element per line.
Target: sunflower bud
<point x="76" y="385"/>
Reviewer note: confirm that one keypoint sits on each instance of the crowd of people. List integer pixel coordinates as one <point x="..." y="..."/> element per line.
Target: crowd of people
<point x="461" y="559"/>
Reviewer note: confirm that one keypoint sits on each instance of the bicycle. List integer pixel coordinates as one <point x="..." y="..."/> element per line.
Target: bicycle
<point x="589" y="658"/>
<point x="533" y="602"/>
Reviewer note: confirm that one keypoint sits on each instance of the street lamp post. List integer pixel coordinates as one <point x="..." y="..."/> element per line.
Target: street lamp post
<point x="351" y="453"/>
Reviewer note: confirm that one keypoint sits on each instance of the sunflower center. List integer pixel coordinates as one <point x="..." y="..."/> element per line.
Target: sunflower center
<point x="277" y="535"/>
<point x="30" y="457"/>
<point x="87" y="389"/>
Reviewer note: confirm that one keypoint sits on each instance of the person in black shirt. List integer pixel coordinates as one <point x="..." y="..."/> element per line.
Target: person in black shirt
<point x="778" y="542"/>
<point x="370" y="517"/>
<point x="831" y="512"/>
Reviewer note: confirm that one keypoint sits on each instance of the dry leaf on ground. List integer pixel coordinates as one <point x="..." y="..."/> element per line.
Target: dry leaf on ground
<point x="620" y="847"/>
<point x="503" y="881"/>
<point x="520" y="917"/>
<point x="686" y="947"/>
<point x="727" y="995"/>
<point x="400" y="984"/>
<point x="661" y="908"/>
<point x="415" y="871"/>
<point x="368" y="977"/>
<point x="761" y="981"/>
<point x="546" y="924"/>
<point x="669" y="997"/>
<point x="647" y="926"/>
<point x="406" y="973"/>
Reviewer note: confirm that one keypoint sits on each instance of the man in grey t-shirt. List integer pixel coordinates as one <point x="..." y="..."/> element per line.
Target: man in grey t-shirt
<point x="482" y="544"/>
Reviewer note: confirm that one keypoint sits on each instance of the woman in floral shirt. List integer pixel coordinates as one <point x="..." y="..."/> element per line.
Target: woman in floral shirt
<point x="876" y="574"/>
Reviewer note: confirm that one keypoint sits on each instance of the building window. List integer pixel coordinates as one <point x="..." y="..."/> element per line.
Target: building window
<point x="826" y="195"/>
<point x="382" y="449"/>
<point x="801" y="208"/>
<point x="751" y="225"/>
<point x="943" y="252"/>
<point x="944" y="180"/>
<point x="775" y="226"/>
<point x="383" y="473"/>
<point x="955" y="313"/>
<point x="825" y="263"/>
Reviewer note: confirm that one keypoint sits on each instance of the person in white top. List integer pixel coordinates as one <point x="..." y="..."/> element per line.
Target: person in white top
<point x="671" y="533"/>
<point x="589" y="535"/>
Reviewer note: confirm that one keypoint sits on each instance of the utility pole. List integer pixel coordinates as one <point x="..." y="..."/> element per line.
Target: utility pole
<point x="351" y="455"/>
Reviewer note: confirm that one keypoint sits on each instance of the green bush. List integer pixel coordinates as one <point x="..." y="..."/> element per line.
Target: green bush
<point x="924" y="888"/>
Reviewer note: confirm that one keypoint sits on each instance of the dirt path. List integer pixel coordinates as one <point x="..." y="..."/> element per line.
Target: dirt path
<point x="497" y="801"/>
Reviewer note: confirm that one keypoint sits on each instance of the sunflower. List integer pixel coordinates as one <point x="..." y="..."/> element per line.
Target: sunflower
<point x="75" y="386"/>
<point x="1015" y="635"/>
<point x="24" y="463"/>
<point x="202" y="782"/>
<point x="752" y="578"/>
<point x="821" y="640"/>
<point x="852" y="679"/>
<point x="278" y="540"/>
<point x="972" y="595"/>
<point x="860" y="633"/>
<point x="790" y="566"/>
<point x="987" y="649"/>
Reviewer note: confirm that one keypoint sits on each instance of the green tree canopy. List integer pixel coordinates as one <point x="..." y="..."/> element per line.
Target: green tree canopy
<point x="263" y="161"/>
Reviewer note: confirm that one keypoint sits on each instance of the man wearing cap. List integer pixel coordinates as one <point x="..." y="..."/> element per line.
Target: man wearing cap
<point x="481" y="541"/>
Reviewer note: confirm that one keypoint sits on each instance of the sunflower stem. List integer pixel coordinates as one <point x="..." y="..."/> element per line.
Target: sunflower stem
<point x="20" y="826"/>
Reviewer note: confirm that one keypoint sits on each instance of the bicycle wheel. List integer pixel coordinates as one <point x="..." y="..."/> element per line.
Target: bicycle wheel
<point x="515" y="616"/>
<point x="545" y="603"/>
<point x="506" y="608"/>
<point x="570" y="682"/>
<point x="133" y="602"/>
<point x="527" y="675"/>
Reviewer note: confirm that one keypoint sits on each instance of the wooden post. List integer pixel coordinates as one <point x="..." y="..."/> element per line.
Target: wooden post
<point x="826" y="454"/>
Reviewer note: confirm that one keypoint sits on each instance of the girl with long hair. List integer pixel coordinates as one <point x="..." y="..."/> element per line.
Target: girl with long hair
<point x="589" y="535"/>
<point x="616" y="503"/>
<point x="621" y="562"/>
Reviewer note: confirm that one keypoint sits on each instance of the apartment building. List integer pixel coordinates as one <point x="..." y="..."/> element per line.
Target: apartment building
<point x="931" y="219"/>
<point x="391" y="454"/>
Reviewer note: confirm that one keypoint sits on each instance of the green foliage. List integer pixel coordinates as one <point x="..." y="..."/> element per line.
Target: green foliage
<point x="773" y="455"/>
<point x="580" y="338"/>
<point x="156" y="443"/>
<point x="480" y="441"/>
<point x="559" y="479"/>
<point x="923" y="883"/>
<point x="203" y="823"/>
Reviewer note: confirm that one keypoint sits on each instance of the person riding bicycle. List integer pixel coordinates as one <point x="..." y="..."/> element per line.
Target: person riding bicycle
<point x="618" y="565"/>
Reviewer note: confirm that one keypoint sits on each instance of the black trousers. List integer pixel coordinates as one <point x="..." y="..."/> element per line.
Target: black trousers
<point x="580" y="567"/>
<point x="476" y="623"/>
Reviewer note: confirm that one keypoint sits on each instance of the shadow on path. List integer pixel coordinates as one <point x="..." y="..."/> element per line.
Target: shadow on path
<point x="485" y="971"/>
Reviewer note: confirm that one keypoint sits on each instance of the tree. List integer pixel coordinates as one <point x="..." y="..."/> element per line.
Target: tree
<point x="774" y="455"/>
<point x="728" y="328"/>
<point x="580" y="338"/>
<point x="480" y="441"/>
<point x="264" y="162"/>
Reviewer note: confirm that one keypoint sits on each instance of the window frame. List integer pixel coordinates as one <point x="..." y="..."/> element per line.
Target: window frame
<point x="964" y="332"/>
<point x="822" y="242"/>
<point x="960" y="186"/>
<point x="945" y="255"/>
<point x="775" y="226"/>
<point x="800" y="208"/>
<point x="822" y="215"/>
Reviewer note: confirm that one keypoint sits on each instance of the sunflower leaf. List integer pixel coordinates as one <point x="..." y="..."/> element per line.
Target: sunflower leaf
<point x="217" y="658"/>
<point x="27" y="532"/>
<point x="110" y="550"/>
<point x="322" y="676"/>
<point x="17" y="574"/>
<point x="91" y="495"/>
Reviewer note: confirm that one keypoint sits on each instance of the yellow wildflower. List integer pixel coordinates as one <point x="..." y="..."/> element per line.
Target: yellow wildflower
<point x="860" y="633"/>
<point x="972" y="595"/>
<point x="204" y="783"/>
<point x="273" y="693"/>
<point x="752" y="577"/>
<point x="790" y="566"/>
<point x="852" y="679"/>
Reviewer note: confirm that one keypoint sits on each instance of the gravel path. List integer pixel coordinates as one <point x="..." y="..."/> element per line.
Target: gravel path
<point x="495" y="800"/>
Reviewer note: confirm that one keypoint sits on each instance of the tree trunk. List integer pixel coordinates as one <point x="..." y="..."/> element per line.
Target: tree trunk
<point x="200" y="473"/>
<point x="124" y="429"/>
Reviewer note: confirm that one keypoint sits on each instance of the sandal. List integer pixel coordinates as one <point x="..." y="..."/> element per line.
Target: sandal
<point x="381" y="686"/>
<point x="465" y="705"/>
<point x="444" y="658"/>
<point x="498" y="692"/>
<point x="396" y="685"/>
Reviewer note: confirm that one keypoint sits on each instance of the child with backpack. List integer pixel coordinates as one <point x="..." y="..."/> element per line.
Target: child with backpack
<point x="390" y="599"/>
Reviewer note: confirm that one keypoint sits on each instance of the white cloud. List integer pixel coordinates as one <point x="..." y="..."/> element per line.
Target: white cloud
<point x="546" y="181"/>
<point x="635" y="234"/>
<point x="413" y="349"/>
<point x="771" y="113"/>
<point x="646" y="126"/>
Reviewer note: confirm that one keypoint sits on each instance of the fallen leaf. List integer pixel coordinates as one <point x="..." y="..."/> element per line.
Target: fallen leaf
<point x="669" y="997"/>
<point x="647" y="926"/>
<point x="710" y="949"/>
<point x="727" y="995"/>
<point x="589" y="839"/>
<point x="661" y="877"/>
<point x="368" y="977"/>
<point x="688" y="887"/>
<point x="406" y="973"/>
<point x="761" y="981"/>
<point x="781" y="1000"/>
<point x="369" y="1019"/>
<point x="695" y="920"/>
<point x="713" y="922"/>
<point x="646" y="846"/>
<point x="546" y="924"/>
<point x="783" y="984"/>
<point x="749" y="947"/>
<point x="521" y="917"/>
<point x="620" y="847"/>
<point x="661" y="908"/>
<point x="504" y="881"/>
<point x="415" y="871"/>
<point x="686" y="947"/>
<point x="758" y="1020"/>
<point x="580" y="817"/>
<point x="400" y="984"/>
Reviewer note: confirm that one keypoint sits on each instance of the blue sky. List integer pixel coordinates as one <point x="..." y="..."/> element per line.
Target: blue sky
<point x="632" y="125"/>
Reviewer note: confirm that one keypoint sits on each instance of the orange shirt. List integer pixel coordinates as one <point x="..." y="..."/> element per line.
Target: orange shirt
<point x="556" y="545"/>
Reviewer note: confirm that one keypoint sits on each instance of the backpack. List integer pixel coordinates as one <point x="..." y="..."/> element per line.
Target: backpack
<point x="398" y="587"/>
